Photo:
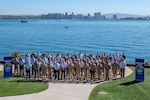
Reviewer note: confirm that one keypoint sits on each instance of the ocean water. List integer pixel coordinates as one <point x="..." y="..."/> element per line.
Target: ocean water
<point x="131" y="37"/>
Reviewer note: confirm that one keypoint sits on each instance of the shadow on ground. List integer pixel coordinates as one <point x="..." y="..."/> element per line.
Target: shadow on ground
<point x="130" y="83"/>
<point x="24" y="80"/>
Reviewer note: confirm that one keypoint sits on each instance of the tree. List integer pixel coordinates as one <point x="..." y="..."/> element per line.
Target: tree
<point x="16" y="54"/>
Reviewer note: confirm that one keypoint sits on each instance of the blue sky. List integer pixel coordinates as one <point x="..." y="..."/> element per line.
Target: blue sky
<point x="139" y="7"/>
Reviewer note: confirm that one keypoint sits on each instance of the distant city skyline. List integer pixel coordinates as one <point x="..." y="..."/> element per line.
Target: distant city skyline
<point x="36" y="7"/>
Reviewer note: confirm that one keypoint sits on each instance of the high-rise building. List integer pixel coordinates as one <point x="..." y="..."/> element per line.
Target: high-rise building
<point x="89" y="16"/>
<point x="79" y="16"/>
<point x="97" y="15"/>
<point x="114" y="16"/>
<point x="66" y="14"/>
<point x="148" y="17"/>
<point x="103" y="17"/>
<point x="72" y="15"/>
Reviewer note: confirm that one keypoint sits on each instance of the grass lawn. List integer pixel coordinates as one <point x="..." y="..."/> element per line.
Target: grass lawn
<point x="18" y="86"/>
<point x="124" y="89"/>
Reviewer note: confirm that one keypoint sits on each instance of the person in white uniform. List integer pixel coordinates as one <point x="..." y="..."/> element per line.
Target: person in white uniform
<point x="122" y="67"/>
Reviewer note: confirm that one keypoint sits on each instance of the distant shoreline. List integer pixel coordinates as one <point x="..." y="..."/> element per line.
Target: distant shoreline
<point x="73" y="16"/>
<point x="129" y="19"/>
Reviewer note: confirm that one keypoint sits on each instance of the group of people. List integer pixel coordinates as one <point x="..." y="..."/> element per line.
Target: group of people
<point x="70" y="66"/>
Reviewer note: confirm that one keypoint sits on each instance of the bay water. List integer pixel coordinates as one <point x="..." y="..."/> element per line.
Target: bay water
<point x="131" y="37"/>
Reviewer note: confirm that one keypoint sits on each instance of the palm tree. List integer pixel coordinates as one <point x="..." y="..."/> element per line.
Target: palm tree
<point x="16" y="54"/>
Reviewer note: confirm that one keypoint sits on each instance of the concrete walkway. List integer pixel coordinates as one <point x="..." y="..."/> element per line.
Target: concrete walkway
<point x="60" y="91"/>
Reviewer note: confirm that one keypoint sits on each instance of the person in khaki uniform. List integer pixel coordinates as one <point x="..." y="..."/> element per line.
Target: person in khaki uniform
<point x="78" y="69"/>
<point x="43" y="68"/>
<point x="107" y="68"/>
<point x="103" y="68"/>
<point x="38" y="61"/>
<point x="86" y="68"/>
<point x="92" y="70"/>
<point x="50" y="67"/>
<point x="115" y="67"/>
<point x="75" y="65"/>
<point x="36" y="66"/>
<point x="70" y="69"/>
<point x="16" y="66"/>
<point x="81" y="63"/>
<point x="99" y="70"/>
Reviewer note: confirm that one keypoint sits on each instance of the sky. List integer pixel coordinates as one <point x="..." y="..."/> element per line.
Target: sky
<point x="37" y="7"/>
